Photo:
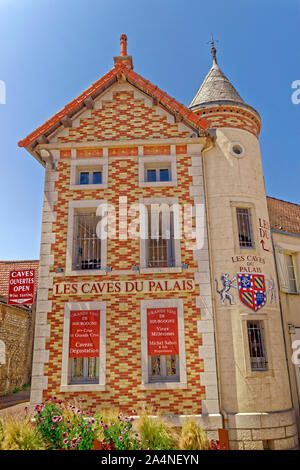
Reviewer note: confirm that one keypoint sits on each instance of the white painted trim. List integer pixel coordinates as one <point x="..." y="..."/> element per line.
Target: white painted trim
<point x="143" y="268"/>
<point x="158" y="161"/>
<point x="89" y="164"/>
<point x="167" y="303"/>
<point x="65" y="349"/>
<point x="73" y="206"/>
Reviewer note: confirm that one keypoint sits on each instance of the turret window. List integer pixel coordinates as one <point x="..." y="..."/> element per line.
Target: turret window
<point x="257" y="345"/>
<point x="245" y="231"/>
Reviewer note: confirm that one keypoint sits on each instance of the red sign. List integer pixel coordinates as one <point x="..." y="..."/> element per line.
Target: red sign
<point x="21" y="287"/>
<point x="84" y="333"/>
<point x="162" y="327"/>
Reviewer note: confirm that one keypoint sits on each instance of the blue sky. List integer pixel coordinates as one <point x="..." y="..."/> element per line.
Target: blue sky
<point x="51" y="50"/>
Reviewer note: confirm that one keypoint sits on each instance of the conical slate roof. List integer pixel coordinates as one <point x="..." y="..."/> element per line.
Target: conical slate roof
<point x="215" y="88"/>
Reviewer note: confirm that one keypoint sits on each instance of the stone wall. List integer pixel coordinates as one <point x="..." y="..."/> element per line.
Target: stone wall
<point x="16" y="341"/>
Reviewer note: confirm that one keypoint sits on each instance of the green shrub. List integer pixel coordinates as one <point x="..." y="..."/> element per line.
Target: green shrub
<point x="20" y="435"/>
<point x="156" y="433"/>
<point x="64" y="426"/>
<point x="193" y="437"/>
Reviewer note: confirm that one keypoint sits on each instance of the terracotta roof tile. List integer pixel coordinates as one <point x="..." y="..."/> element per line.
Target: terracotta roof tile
<point x="284" y="216"/>
<point x="7" y="266"/>
<point x="100" y="85"/>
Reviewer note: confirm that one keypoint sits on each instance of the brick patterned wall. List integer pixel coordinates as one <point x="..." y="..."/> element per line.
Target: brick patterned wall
<point x="123" y="118"/>
<point x="123" y="312"/>
<point x="231" y="116"/>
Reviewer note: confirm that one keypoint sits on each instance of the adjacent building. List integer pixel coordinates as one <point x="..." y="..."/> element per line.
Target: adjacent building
<point x="16" y="332"/>
<point x="157" y="280"/>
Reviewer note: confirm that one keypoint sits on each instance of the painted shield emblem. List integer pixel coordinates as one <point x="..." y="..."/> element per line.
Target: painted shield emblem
<point x="252" y="290"/>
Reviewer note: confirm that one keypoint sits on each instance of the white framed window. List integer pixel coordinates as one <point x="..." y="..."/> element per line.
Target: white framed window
<point x="291" y="272"/>
<point x="287" y="272"/>
<point x="89" y="173"/>
<point x="157" y="171"/>
<point x="160" y="235"/>
<point x="86" y="252"/>
<point x="163" y="353"/>
<point x="84" y="347"/>
<point x="256" y="341"/>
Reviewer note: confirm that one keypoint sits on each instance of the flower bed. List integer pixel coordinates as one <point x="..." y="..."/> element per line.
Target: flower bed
<point x="57" y="424"/>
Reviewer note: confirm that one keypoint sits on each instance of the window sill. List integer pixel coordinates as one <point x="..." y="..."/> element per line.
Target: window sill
<point x="88" y="186"/>
<point x="160" y="270"/>
<point x="86" y="272"/>
<point x="259" y="373"/>
<point x="153" y="184"/>
<point x="164" y="385"/>
<point x="82" y="388"/>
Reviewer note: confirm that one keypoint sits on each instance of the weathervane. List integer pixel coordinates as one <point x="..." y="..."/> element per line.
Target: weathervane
<point x="213" y="49"/>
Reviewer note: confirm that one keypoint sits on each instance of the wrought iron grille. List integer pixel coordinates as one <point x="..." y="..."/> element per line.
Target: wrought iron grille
<point x="161" y="249"/>
<point x="256" y="345"/>
<point x="86" y="244"/>
<point x="244" y="228"/>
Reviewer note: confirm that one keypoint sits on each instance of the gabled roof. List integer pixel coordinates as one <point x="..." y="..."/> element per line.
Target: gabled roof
<point x="97" y="88"/>
<point x="7" y="266"/>
<point x="284" y="216"/>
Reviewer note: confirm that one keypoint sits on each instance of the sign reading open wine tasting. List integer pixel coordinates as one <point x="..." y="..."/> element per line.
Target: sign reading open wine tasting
<point x="84" y="333"/>
<point x="162" y="328"/>
<point x="21" y="287"/>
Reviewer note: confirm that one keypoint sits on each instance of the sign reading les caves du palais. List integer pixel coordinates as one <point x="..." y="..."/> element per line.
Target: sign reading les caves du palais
<point x="21" y="287"/>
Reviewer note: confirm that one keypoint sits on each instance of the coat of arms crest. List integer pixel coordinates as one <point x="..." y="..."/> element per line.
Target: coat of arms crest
<point x="252" y="290"/>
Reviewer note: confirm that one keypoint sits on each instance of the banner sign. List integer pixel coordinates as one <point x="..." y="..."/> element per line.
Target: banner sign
<point x="162" y="329"/>
<point x="21" y="287"/>
<point x="124" y="287"/>
<point x="84" y="333"/>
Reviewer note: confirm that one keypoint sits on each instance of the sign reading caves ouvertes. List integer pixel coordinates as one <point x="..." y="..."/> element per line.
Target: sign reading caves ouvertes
<point x="21" y="287"/>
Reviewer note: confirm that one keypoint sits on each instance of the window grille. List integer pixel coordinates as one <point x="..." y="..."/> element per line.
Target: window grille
<point x="86" y="244"/>
<point x="256" y="345"/>
<point x="244" y="228"/>
<point x="160" y="241"/>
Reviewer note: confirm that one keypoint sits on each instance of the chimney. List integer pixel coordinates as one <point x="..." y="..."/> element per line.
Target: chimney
<point x="123" y="58"/>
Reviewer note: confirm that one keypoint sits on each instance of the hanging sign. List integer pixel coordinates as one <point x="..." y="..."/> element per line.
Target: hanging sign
<point x="21" y="287"/>
<point x="84" y="333"/>
<point x="162" y="329"/>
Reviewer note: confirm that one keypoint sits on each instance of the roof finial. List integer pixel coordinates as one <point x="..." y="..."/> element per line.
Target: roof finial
<point x="213" y="49"/>
<point x="123" y="45"/>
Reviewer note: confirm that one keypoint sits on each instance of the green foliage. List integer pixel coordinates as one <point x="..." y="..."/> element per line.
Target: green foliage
<point x="193" y="437"/>
<point x="156" y="433"/>
<point x="116" y="431"/>
<point x="20" y="435"/>
<point x="64" y="426"/>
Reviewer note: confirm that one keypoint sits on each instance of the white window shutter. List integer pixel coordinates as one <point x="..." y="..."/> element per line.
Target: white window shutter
<point x="282" y="269"/>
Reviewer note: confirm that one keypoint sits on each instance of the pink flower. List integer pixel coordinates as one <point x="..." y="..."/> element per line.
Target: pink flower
<point x="121" y="438"/>
<point x="64" y="435"/>
<point x="65" y="441"/>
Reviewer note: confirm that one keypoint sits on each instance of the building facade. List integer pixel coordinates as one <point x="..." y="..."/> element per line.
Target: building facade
<point x="156" y="259"/>
<point x="285" y="230"/>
